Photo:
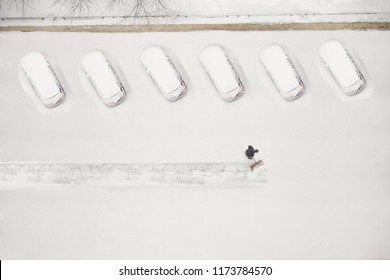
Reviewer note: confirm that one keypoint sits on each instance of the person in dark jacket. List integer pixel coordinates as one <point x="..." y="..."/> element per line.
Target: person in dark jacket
<point x="250" y="152"/>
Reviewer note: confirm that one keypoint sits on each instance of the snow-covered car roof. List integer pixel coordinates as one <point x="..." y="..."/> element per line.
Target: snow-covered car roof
<point x="281" y="71"/>
<point x="42" y="78"/>
<point x="103" y="77"/>
<point x="342" y="67"/>
<point x="221" y="72"/>
<point x="163" y="72"/>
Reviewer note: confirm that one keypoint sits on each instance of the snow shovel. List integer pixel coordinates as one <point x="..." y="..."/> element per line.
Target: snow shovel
<point x="256" y="164"/>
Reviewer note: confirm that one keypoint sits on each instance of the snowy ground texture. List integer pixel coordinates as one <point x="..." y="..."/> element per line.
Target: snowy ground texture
<point x="199" y="11"/>
<point x="326" y="193"/>
<point x="139" y="175"/>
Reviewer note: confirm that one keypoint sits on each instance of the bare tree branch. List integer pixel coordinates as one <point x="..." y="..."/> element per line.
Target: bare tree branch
<point x="111" y="4"/>
<point x="141" y="9"/>
<point x="21" y="6"/>
<point x="76" y="7"/>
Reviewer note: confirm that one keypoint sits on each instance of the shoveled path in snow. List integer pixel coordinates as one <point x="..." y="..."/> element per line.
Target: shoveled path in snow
<point x="113" y="174"/>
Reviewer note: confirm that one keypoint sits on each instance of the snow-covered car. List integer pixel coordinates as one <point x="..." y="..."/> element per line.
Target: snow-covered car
<point x="221" y="72"/>
<point x="342" y="67"/>
<point x="162" y="71"/>
<point x="282" y="72"/>
<point x="103" y="78"/>
<point x="42" y="79"/>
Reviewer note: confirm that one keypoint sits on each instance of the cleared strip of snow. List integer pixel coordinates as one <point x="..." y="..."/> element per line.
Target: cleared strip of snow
<point x="51" y="175"/>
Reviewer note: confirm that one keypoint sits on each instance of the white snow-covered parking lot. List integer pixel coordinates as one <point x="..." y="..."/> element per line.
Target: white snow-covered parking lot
<point x="325" y="193"/>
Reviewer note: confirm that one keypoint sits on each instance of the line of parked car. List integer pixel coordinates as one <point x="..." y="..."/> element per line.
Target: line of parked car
<point x="215" y="62"/>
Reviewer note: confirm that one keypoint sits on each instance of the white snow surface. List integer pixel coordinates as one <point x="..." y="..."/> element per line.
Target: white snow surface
<point x="218" y="67"/>
<point x="62" y="175"/>
<point x="207" y="11"/>
<point x="36" y="68"/>
<point x="326" y="193"/>
<point x="45" y="8"/>
<point x="157" y="64"/>
<point x="276" y="62"/>
<point x="336" y="58"/>
<point x="97" y="68"/>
